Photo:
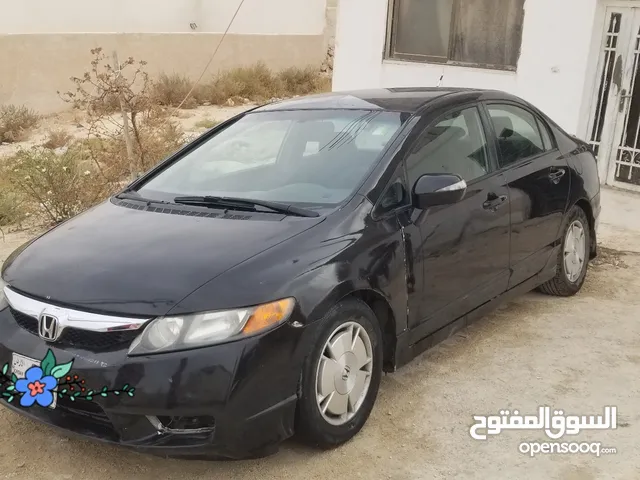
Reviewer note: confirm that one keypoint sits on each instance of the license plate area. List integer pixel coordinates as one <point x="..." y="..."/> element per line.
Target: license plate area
<point x="19" y="366"/>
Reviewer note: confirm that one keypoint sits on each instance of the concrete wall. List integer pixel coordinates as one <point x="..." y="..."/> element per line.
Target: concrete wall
<point x="552" y="73"/>
<point x="43" y="43"/>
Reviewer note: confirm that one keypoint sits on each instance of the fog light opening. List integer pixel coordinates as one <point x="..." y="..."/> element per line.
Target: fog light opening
<point x="182" y="425"/>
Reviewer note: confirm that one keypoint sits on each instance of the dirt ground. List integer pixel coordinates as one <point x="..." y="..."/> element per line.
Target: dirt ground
<point x="578" y="354"/>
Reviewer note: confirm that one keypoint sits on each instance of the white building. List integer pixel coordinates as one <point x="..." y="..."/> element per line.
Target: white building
<point x="577" y="60"/>
<point x="44" y="42"/>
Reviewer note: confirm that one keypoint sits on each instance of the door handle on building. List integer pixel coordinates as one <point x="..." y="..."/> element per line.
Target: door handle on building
<point x="623" y="97"/>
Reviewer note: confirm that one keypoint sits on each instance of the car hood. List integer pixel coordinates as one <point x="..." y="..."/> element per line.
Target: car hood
<point x="119" y="260"/>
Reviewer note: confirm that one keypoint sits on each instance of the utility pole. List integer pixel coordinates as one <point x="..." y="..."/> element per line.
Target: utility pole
<point x="125" y="118"/>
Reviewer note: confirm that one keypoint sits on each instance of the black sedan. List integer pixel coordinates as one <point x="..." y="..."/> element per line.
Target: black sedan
<point x="259" y="281"/>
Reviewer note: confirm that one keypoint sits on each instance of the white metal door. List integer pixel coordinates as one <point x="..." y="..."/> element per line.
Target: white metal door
<point x="614" y="128"/>
<point x="624" y="163"/>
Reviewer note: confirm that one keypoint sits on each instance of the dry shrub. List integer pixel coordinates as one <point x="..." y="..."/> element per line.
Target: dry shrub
<point x="101" y="89"/>
<point x="258" y="83"/>
<point x="171" y="90"/>
<point x="298" y="81"/>
<point x="206" y="123"/>
<point x="151" y="133"/>
<point x="12" y="209"/>
<point x="16" y="123"/>
<point x="57" y="139"/>
<point x="57" y="187"/>
<point x="153" y="144"/>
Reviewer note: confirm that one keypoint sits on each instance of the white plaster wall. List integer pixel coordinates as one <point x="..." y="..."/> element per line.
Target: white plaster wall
<point x="261" y="17"/>
<point x="551" y="73"/>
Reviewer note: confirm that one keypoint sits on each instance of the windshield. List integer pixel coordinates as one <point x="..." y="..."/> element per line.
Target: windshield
<point x="313" y="158"/>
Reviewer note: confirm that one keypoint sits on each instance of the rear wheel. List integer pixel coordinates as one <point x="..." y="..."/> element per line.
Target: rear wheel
<point x="341" y="375"/>
<point x="573" y="258"/>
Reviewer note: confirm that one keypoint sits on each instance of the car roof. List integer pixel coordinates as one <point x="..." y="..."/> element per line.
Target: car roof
<point x="408" y="99"/>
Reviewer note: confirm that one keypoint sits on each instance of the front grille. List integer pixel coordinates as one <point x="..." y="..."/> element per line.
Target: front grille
<point x="75" y="337"/>
<point x="25" y="321"/>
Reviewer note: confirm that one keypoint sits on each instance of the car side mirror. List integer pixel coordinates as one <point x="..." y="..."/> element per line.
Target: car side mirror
<point x="431" y="190"/>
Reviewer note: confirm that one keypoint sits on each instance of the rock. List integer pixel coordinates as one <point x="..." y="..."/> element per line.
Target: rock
<point x="61" y="150"/>
<point x="206" y="104"/>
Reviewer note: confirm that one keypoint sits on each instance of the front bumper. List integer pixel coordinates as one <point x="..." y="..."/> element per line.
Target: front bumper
<point x="245" y="390"/>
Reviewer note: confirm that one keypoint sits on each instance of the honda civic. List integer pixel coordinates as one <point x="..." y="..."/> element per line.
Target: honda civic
<point x="259" y="281"/>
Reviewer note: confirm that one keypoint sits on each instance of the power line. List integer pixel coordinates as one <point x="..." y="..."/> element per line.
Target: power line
<point x="210" y="59"/>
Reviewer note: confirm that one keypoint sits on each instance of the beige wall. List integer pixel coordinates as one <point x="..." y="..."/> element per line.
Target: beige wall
<point x="266" y="17"/>
<point x="34" y="67"/>
<point x="43" y="43"/>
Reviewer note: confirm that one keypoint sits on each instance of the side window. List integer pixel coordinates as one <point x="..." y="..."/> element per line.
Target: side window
<point x="453" y="144"/>
<point x="546" y="137"/>
<point x="517" y="131"/>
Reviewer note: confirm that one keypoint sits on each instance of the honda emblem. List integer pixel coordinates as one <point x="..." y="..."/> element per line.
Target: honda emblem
<point x="48" y="327"/>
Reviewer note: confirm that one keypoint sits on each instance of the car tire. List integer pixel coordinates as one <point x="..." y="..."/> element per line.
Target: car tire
<point x="332" y="366"/>
<point x="570" y="274"/>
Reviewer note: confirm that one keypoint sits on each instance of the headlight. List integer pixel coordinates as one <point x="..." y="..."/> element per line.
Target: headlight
<point x="166" y="334"/>
<point x="3" y="299"/>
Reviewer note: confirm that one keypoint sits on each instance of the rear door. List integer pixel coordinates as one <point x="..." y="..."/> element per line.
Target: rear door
<point x="464" y="249"/>
<point x="539" y="182"/>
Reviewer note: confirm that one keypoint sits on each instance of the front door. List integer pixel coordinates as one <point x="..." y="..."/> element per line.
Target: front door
<point x="614" y="129"/>
<point x="464" y="250"/>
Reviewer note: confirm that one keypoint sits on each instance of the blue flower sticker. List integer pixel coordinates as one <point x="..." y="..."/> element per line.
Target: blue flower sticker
<point x="40" y="382"/>
<point x="36" y="388"/>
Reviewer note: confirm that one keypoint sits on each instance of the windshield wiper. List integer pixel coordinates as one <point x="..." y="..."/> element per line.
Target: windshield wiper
<point x="133" y="195"/>
<point x="232" y="202"/>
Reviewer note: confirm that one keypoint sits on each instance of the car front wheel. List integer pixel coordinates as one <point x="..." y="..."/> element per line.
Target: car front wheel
<point x="341" y="375"/>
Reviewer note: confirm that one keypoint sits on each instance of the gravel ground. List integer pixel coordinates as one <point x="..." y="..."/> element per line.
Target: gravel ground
<point x="577" y="354"/>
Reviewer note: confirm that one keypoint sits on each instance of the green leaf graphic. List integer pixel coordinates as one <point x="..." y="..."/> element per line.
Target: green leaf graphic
<point x="60" y="371"/>
<point x="5" y="368"/>
<point x="48" y="362"/>
<point x="11" y="388"/>
<point x="14" y="379"/>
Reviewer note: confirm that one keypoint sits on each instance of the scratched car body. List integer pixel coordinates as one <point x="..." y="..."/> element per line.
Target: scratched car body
<point x="258" y="282"/>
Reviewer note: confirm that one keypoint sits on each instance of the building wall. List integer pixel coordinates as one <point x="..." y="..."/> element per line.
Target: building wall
<point x="43" y="43"/>
<point x="553" y="70"/>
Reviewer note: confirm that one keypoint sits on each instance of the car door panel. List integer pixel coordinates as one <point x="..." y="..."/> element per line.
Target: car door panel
<point x="539" y="181"/>
<point x="464" y="254"/>
<point x="464" y="247"/>
<point x="539" y="197"/>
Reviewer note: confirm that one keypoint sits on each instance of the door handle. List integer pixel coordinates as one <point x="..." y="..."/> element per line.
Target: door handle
<point x="493" y="202"/>
<point x="556" y="175"/>
<point x="623" y="98"/>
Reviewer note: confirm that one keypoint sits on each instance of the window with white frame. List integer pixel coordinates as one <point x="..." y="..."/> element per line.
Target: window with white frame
<point x="478" y="33"/>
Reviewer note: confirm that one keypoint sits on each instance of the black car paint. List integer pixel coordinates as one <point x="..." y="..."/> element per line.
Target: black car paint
<point x="405" y="263"/>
